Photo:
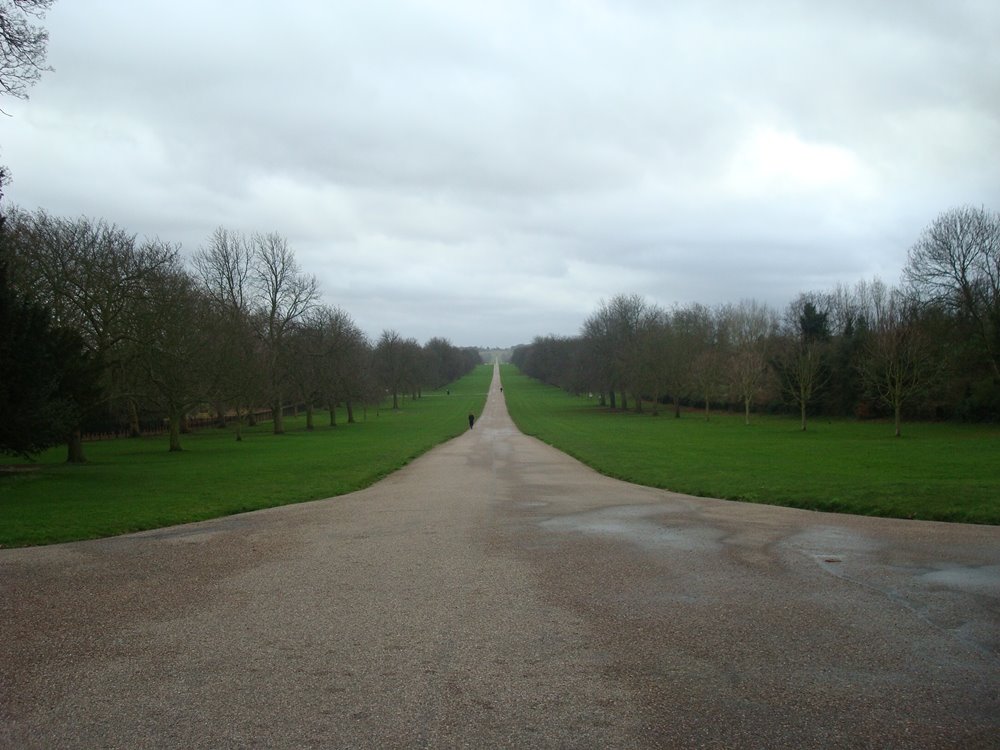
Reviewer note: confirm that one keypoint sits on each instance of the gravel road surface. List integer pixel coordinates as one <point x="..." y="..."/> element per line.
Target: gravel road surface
<point x="496" y="593"/>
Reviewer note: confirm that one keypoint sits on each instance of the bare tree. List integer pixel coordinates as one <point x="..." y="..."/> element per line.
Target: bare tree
<point x="22" y="45"/>
<point x="800" y="355"/>
<point x="283" y="295"/>
<point x="708" y="355"/>
<point x="363" y="386"/>
<point x="556" y="360"/>
<point x="224" y="268"/>
<point x="22" y="52"/>
<point x="750" y="326"/>
<point x="631" y="316"/>
<point x="326" y="357"/>
<point x="306" y="363"/>
<point x="172" y="344"/>
<point x="691" y="334"/>
<point x="390" y="363"/>
<point x="956" y="263"/>
<point x="898" y="361"/>
<point x="236" y="377"/>
<point x="708" y="378"/>
<point x="599" y="353"/>
<point x="612" y="336"/>
<point x="352" y="378"/>
<point x="655" y="355"/>
<point x="414" y="367"/>
<point x="338" y="358"/>
<point x="441" y="362"/>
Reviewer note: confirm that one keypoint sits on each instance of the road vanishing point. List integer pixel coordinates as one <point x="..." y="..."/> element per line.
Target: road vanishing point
<point x="496" y="593"/>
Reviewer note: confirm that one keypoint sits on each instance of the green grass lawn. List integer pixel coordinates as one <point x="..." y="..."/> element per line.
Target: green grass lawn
<point x="134" y="484"/>
<point x="945" y="472"/>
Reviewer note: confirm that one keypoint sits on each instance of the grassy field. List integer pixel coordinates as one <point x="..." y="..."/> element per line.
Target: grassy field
<point x="134" y="484"/>
<point x="943" y="472"/>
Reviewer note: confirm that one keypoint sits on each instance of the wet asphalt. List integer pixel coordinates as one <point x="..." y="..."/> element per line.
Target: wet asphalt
<point x="496" y="593"/>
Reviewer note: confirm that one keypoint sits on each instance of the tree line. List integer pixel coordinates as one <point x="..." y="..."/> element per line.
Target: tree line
<point x="928" y="347"/>
<point x="101" y="331"/>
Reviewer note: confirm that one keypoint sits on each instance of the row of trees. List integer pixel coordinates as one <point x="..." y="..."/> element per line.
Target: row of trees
<point x="123" y="330"/>
<point x="97" y="328"/>
<point x="929" y="346"/>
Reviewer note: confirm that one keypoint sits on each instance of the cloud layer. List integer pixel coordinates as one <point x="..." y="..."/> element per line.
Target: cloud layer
<point x="488" y="174"/>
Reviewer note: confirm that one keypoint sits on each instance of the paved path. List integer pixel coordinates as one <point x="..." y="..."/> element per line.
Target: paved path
<point x="495" y="593"/>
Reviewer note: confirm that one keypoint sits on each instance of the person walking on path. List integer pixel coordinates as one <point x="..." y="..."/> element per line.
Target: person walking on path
<point x="472" y="420"/>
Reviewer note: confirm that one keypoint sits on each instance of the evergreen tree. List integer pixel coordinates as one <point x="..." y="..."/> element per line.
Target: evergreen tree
<point x="45" y="373"/>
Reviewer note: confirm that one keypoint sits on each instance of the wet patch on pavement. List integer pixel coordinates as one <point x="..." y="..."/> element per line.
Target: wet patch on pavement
<point x="638" y="525"/>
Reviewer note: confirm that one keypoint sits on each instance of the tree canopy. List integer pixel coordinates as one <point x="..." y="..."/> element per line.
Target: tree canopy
<point x="47" y="377"/>
<point x="23" y="45"/>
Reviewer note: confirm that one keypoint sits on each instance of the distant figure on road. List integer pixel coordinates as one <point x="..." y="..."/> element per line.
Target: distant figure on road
<point x="472" y="420"/>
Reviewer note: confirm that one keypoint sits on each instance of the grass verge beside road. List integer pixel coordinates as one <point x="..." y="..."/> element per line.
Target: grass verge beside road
<point x="135" y="484"/>
<point x="945" y="472"/>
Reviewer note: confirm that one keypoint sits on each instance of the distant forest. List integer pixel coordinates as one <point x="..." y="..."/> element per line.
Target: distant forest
<point x="928" y="348"/>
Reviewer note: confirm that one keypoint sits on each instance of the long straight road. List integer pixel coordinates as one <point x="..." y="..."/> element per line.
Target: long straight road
<point x="496" y="593"/>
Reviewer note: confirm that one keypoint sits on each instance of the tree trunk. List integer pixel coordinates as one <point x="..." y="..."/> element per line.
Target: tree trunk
<point x="395" y="400"/>
<point x="133" y="419"/>
<point x="309" y="416"/>
<point x="350" y="412"/>
<point x="897" y="411"/>
<point x="74" y="448"/>
<point x="624" y="400"/>
<point x="677" y="407"/>
<point x="333" y="414"/>
<point x="175" y="429"/>
<point x="706" y="408"/>
<point x="802" y="404"/>
<point x="612" y="393"/>
<point x="746" y="411"/>
<point x="278" y="416"/>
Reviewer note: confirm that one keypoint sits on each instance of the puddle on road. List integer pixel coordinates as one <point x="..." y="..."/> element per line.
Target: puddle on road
<point x="830" y="541"/>
<point x="634" y="524"/>
<point x="955" y="598"/>
<point x="984" y="579"/>
<point x="833" y="548"/>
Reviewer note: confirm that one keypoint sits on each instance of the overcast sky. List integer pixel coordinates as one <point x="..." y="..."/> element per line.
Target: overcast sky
<point x="489" y="172"/>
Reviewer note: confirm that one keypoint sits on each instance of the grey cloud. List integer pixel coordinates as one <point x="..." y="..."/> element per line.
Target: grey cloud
<point x="489" y="172"/>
